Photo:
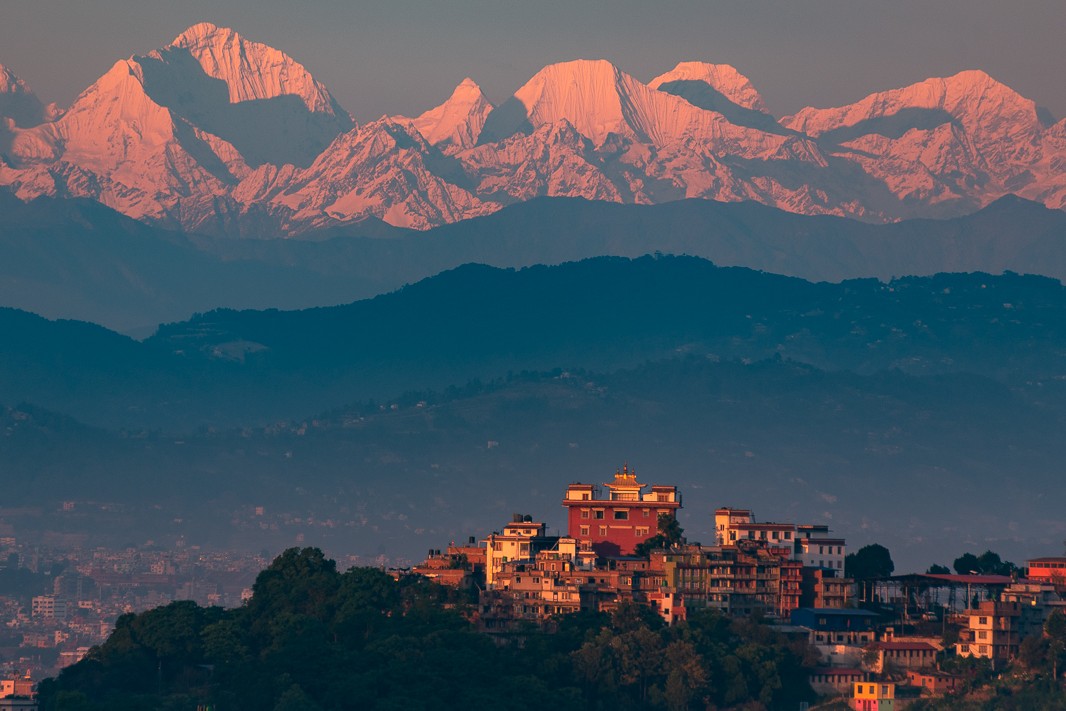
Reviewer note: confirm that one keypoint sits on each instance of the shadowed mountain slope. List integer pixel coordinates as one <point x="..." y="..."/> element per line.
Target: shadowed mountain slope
<point x="78" y="259"/>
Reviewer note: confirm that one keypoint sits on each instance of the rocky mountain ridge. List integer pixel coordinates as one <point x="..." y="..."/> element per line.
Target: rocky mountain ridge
<point x="218" y="134"/>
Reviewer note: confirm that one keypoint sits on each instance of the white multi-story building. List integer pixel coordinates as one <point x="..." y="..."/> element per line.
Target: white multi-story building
<point x="520" y="540"/>
<point x="821" y="553"/>
<point x="810" y="543"/>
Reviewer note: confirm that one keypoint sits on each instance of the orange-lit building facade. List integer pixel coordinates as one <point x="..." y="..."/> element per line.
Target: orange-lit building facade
<point x="615" y="524"/>
<point x="1048" y="570"/>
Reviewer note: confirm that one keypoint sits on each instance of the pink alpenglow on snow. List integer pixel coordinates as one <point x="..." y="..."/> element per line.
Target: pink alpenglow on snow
<point x="215" y="128"/>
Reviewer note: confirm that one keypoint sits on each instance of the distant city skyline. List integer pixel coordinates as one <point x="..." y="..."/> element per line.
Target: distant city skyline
<point x="403" y="57"/>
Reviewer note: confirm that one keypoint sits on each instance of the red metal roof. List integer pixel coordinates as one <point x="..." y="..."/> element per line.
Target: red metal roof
<point x="973" y="579"/>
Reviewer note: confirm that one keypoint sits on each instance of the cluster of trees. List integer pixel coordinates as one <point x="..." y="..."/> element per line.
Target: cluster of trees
<point x="867" y="564"/>
<point x="988" y="563"/>
<point x="313" y="639"/>
<point x="668" y="534"/>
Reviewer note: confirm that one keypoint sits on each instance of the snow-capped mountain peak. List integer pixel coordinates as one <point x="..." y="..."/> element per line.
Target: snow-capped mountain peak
<point x="217" y="132"/>
<point x="723" y="78"/>
<point x="971" y="97"/>
<point x="600" y="100"/>
<point x="252" y="70"/>
<point x="457" y="122"/>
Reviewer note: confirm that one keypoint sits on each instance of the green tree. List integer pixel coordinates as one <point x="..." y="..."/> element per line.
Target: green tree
<point x="936" y="569"/>
<point x="966" y="563"/>
<point x="988" y="563"/>
<point x="686" y="676"/>
<point x="869" y="563"/>
<point x="296" y="699"/>
<point x="669" y="534"/>
<point x="299" y="581"/>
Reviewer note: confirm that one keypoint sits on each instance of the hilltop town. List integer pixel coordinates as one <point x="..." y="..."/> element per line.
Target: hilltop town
<point x="881" y="641"/>
<point x="863" y="636"/>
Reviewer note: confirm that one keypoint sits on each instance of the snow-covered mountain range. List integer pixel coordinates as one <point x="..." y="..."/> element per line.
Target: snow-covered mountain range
<point x="219" y="134"/>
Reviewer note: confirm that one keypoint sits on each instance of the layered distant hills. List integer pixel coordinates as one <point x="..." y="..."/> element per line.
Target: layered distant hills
<point x="76" y="259"/>
<point x="826" y="358"/>
<point x="218" y="134"/>
<point x="924" y="413"/>
<point x="229" y="368"/>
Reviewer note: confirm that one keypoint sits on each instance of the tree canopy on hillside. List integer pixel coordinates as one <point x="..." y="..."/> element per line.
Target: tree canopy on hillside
<point x="313" y="639"/>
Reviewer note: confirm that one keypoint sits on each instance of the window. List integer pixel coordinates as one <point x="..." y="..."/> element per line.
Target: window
<point x="647" y="513"/>
<point x="584" y="530"/>
<point x="662" y="497"/>
<point x="584" y="513"/>
<point x="621" y="514"/>
<point x="788" y="535"/>
<point x="982" y="620"/>
<point x="603" y="530"/>
<point x="585" y="497"/>
<point x="598" y="513"/>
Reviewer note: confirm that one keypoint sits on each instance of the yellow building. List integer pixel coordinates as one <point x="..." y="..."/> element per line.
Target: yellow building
<point x="873" y="696"/>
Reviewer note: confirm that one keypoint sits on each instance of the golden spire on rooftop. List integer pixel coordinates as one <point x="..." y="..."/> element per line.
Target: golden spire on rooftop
<point x="625" y="477"/>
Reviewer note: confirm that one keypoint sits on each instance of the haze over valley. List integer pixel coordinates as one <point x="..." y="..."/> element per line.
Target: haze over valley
<point x="222" y="288"/>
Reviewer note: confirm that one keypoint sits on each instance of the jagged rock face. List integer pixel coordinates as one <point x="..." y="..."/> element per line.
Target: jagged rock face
<point x="554" y="160"/>
<point x="218" y="133"/>
<point x="383" y="169"/>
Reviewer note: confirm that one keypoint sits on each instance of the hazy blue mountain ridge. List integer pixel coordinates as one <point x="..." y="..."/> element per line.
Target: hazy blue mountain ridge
<point x="228" y="368"/>
<point x="78" y="259"/>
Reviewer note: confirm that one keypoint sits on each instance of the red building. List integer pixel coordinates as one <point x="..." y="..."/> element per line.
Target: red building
<point x="1049" y="570"/>
<point x="614" y="525"/>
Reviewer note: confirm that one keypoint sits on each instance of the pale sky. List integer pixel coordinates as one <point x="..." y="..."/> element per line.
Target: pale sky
<point x="404" y="56"/>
